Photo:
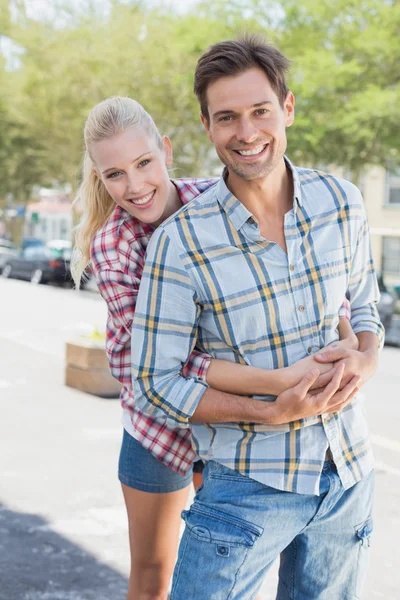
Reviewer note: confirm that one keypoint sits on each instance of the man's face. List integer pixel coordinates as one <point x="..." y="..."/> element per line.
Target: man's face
<point x="247" y="124"/>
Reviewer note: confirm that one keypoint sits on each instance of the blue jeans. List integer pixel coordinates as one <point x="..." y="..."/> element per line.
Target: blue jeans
<point x="237" y="527"/>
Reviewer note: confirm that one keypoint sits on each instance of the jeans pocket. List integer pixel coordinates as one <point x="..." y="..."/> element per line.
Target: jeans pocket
<point x="363" y="533"/>
<point x="218" y="471"/>
<point x="223" y="530"/>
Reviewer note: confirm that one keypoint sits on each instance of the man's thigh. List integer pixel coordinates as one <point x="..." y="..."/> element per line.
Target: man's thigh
<point x="328" y="560"/>
<point x="235" y="529"/>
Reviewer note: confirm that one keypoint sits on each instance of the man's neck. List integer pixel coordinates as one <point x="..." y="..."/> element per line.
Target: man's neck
<point x="268" y="198"/>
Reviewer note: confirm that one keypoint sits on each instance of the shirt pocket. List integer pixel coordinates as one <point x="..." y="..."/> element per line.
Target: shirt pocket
<point x="334" y="267"/>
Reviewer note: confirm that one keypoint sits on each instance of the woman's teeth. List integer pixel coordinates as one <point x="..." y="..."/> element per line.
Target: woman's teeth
<point x="257" y="150"/>
<point x="144" y="199"/>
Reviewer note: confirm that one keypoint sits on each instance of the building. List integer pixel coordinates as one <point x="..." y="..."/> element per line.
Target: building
<point x="381" y="191"/>
<point x="50" y="218"/>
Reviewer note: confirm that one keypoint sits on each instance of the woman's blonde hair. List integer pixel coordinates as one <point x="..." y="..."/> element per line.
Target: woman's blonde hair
<point x="105" y="120"/>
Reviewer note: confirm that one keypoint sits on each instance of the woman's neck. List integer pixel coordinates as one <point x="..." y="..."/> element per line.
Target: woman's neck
<point x="173" y="204"/>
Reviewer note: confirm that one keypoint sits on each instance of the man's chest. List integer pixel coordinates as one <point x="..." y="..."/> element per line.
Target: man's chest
<point x="254" y="295"/>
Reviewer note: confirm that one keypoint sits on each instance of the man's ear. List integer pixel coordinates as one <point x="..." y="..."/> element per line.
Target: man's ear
<point x="289" y="109"/>
<point x="167" y="150"/>
<point x="206" y="124"/>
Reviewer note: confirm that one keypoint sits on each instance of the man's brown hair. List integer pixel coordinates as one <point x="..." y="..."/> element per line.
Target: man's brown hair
<point x="233" y="57"/>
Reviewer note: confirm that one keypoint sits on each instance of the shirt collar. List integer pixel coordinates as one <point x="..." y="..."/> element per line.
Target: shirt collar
<point x="236" y="211"/>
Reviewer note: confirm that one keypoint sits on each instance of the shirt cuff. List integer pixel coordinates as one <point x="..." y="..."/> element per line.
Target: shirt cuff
<point x="345" y="310"/>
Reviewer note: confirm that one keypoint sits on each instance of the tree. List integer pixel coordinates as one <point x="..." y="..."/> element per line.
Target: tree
<point x="344" y="76"/>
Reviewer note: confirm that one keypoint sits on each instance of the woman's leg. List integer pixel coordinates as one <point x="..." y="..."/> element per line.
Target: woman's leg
<point x="155" y="497"/>
<point x="198" y="468"/>
<point x="154" y="522"/>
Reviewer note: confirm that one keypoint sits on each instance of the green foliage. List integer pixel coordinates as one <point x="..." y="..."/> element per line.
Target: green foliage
<point x="345" y="78"/>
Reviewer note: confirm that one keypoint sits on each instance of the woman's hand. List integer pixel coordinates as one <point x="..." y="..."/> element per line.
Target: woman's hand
<point x="300" y="402"/>
<point x="297" y="371"/>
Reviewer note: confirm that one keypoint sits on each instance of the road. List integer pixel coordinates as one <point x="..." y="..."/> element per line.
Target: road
<point x="62" y="520"/>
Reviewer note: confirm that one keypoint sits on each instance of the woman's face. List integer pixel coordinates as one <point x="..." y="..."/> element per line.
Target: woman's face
<point x="134" y="170"/>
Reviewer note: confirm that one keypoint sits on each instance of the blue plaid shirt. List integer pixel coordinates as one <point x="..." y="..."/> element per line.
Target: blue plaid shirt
<point x="211" y="278"/>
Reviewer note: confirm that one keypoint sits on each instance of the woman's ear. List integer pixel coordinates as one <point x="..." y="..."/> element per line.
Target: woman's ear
<point x="167" y="150"/>
<point x="96" y="172"/>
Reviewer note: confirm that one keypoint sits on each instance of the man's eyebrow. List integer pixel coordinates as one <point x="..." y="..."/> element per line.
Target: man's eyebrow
<point x="116" y="168"/>
<point x="219" y="113"/>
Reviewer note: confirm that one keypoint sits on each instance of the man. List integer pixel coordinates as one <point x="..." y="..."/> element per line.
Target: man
<point x="255" y="271"/>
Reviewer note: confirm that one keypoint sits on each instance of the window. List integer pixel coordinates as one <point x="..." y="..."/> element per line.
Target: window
<point x="391" y="255"/>
<point x="64" y="229"/>
<point x="393" y="187"/>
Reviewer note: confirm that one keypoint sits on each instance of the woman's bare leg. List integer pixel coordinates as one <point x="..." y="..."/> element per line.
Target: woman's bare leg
<point x="154" y="523"/>
<point x="197" y="480"/>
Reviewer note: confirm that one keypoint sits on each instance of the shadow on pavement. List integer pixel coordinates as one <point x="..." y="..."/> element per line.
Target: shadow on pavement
<point x="38" y="564"/>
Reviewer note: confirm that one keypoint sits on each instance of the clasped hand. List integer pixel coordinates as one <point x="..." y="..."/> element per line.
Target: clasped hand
<point x="324" y="382"/>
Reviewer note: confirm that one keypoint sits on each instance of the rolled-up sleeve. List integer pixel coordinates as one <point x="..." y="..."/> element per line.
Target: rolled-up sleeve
<point x="164" y="332"/>
<point x="363" y="285"/>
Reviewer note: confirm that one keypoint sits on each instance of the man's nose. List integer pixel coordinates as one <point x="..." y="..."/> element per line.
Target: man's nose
<point x="246" y="131"/>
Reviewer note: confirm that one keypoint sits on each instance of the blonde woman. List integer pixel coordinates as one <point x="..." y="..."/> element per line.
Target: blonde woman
<point x="125" y="194"/>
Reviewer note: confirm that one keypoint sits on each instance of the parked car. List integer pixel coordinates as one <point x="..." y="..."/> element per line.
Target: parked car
<point x="28" y="241"/>
<point x="39" y="264"/>
<point x="386" y="304"/>
<point x="7" y="250"/>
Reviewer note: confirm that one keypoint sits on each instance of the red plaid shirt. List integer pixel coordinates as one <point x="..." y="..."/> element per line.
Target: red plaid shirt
<point x="117" y="254"/>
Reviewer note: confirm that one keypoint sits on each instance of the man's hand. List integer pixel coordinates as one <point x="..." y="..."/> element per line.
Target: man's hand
<point x="360" y="363"/>
<point x="299" y="402"/>
<point x="296" y="372"/>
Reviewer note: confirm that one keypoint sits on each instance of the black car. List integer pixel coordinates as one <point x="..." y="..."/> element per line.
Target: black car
<point x="386" y="304"/>
<point x="39" y="264"/>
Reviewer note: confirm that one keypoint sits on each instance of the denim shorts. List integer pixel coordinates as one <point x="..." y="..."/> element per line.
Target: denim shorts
<point x="140" y="470"/>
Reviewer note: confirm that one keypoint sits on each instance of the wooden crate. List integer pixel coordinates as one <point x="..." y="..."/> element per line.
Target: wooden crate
<point x="87" y="370"/>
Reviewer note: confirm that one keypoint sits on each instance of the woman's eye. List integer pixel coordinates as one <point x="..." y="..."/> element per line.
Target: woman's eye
<point x="144" y="162"/>
<point x="114" y="175"/>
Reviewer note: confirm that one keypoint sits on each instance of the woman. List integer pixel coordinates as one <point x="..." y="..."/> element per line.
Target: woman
<point x="126" y="192"/>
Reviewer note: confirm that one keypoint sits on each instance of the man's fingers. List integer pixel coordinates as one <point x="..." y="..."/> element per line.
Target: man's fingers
<point x="344" y="395"/>
<point x="333" y="385"/>
<point x="324" y="379"/>
<point x="330" y="355"/>
<point x="345" y="402"/>
<point x="307" y="382"/>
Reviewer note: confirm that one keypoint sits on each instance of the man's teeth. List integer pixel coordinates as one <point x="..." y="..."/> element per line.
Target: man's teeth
<point x="143" y="200"/>
<point x="257" y="150"/>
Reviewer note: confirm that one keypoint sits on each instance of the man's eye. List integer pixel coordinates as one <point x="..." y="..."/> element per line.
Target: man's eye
<point x="114" y="175"/>
<point x="226" y="118"/>
<point x="144" y="162"/>
<point x="262" y="111"/>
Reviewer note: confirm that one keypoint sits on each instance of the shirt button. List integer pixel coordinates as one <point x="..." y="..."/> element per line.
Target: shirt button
<point x="301" y="308"/>
<point x="309" y="349"/>
<point x="291" y="267"/>
<point x="251" y="220"/>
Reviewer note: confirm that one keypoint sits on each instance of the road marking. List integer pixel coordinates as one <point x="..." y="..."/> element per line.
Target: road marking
<point x="383" y="442"/>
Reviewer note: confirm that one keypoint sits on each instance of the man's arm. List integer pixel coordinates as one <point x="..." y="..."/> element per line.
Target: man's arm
<point x="363" y="286"/>
<point x="164" y="334"/>
<point x="364" y="295"/>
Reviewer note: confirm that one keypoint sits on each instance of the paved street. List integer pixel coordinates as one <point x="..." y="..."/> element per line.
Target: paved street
<point x="62" y="520"/>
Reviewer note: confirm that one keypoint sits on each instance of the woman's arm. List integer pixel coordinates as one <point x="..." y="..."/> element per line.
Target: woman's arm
<point x="231" y="377"/>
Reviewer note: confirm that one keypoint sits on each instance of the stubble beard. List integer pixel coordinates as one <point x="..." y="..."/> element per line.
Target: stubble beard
<point x="251" y="172"/>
